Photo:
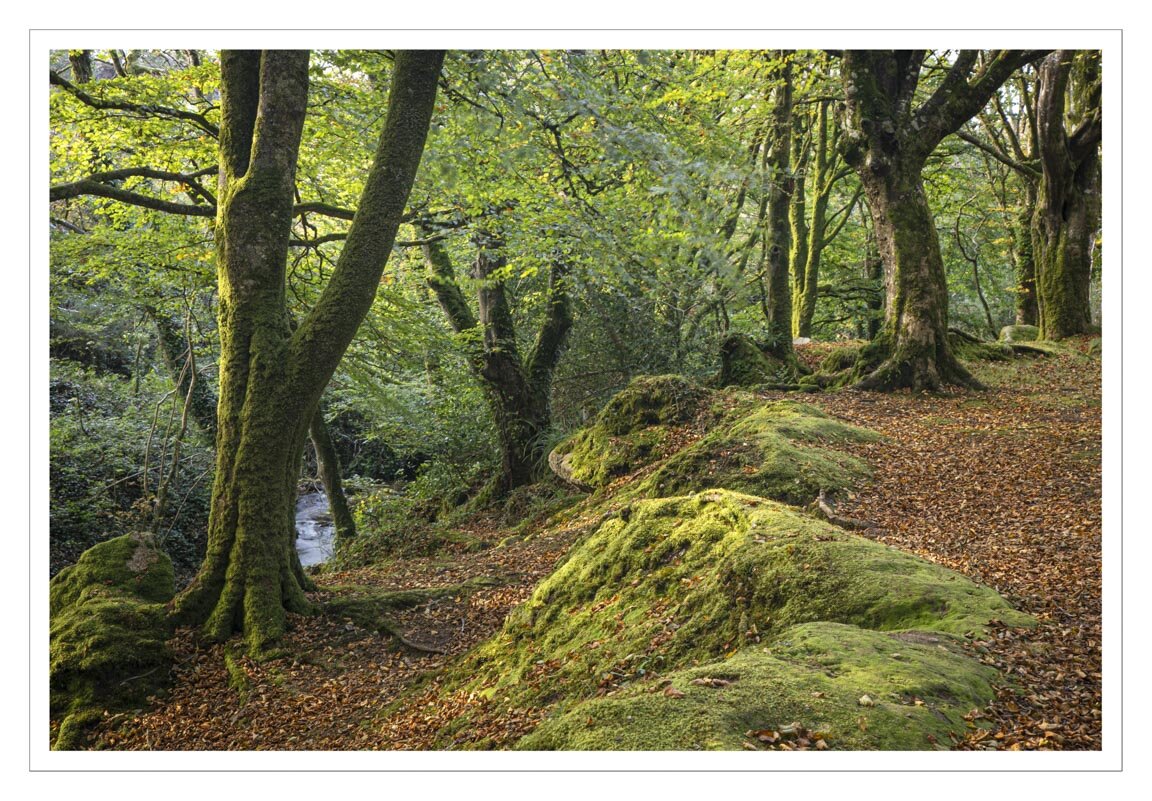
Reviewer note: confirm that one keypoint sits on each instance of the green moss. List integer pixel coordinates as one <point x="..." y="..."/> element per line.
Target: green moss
<point x="784" y="451"/>
<point x="744" y="363"/>
<point x="979" y="351"/>
<point x="841" y="358"/>
<point x="814" y="674"/>
<point x="1019" y="333"/>
<point x="109" y="632"/>
<point x="628" y="432"/>
<point x="132" y="563"/>
<point x="673" y="583"/>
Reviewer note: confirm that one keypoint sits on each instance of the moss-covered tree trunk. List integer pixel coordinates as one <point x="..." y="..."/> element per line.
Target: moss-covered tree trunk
<point x="1024" y="260"/>
<point x="518" y="390"/>
<point x="778" y="234"/>
<point x="888" y="140"/>
<point x="914" y="335"/>
<point x="271" y="376"/>
<point x="328" y="470"/>
<point x="800" y="249"/>
<point x="1067" y="209"/>
<point x="822" y="228"/>
<point x="176" y="353"/>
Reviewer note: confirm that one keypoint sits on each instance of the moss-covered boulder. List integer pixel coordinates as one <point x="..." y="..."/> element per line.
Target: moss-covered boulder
<point x="108" y="633"/>
<point x="754" y="593"/>
<point x="842" y="687"/>
<point x="1019" y="333"/>
<point x="744" y="363"/>
<point x="784" y="451"/>
<point x="628" y="432"/>
<point x="132" y="564"/>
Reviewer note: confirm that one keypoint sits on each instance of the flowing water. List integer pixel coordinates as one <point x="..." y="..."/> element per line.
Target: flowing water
<point x="314" y="529"/>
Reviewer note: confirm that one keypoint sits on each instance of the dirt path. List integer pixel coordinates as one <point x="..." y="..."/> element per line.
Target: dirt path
<point x="1003" y="486"/>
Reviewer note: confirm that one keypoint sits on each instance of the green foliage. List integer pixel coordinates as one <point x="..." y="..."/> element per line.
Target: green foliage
<point x="103" y="433"/>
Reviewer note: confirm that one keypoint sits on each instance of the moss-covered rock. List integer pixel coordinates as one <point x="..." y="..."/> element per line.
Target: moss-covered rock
<point x="972" y="350"/>
<point x="628" y="432"/>
<point x="133" y="564"/>
<point x="108" y="634"/>
<point x="814" y="675"/>
<point x="784" y="451"/>
<point x="1019" y="333"/>
<point x="744" y="363"/>
<point x="679" y="588"/>
<point x="841" y="358"/>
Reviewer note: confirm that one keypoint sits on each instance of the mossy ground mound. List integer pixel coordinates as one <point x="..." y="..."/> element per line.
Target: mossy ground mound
<point x="108" y="632"/>
<point x="628" y="432"/>
<point x="814" y="675"/>
<point x="1019" y="333"/>
<point x="705" y="583"/>
<point x="744" y="363"/>
<point x="784" y="451"/>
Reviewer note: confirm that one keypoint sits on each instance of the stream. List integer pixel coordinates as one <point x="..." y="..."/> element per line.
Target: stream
<point x="314" y="529"/>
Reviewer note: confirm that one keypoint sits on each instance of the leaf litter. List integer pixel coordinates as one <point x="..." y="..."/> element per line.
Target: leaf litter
<point x="1003" y="486"/>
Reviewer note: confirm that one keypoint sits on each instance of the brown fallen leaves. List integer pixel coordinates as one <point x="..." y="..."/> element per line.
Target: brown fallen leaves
<point x="1003" y="486"/>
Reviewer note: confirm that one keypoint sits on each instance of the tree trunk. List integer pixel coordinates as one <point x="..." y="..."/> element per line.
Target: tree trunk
<point x="779" y="301"/>
<point x="1067" y="209"/>
<point x="1027" y="306"/>
<point x="888" y="139"/>
<point x="174" y="351"/>
<point x="800" y="251"/>
<point x="271" y="377"/>
<point x="518" y="391"/>
<point x="328" y="470"/>
<point x="912" y="348"/>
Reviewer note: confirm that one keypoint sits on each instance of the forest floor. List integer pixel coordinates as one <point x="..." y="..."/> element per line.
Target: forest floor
<point x="1003" y="486"/>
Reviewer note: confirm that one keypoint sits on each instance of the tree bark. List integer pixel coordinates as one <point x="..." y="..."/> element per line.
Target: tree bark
<point x="1067" y="208"/>
<point x="1023" y="256"/>
<point x="174" y="351"/>
<point x="518" y="390"/>
<point x="781" y="184"/>
<point x="888" y="140"/>
<point x="328" y="470"/>
<point x="271" y="378"/>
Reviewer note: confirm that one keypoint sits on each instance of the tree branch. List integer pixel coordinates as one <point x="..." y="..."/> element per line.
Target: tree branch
<point x="97" y="189"/>
<point x="1031" y="169"/>
<point x="147" y="109"/>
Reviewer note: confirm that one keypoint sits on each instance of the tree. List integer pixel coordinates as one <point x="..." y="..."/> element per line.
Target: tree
<point x="1012" y="140"/>
<point x="813" y="232"/>
<point x="1068" y="207"/>
<point x="778" y="304"/>
<point x="271" y="374"/>
<point x="888" y="139"/>
<point x="271" y="377"/>
<point x="518" y="387"/>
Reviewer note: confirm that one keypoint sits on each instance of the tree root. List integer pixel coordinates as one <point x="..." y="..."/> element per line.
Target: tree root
<point x="824" y="509"/>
